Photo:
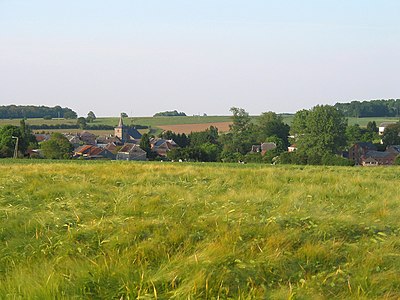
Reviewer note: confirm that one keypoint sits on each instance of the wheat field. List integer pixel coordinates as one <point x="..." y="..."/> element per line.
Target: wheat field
<point x="112" y="230"/>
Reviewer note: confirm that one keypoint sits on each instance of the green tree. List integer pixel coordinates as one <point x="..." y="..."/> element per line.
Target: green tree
<point x="124" y="115"/>
<point x="241" y="133"/>
<point x="322" y="131"/>
<point x="391" y="135"/>
<point x="354" y="134"/>
<point x="25" y="139"/>
<point x="299" y="123"/>
<point x="270" y="124"/>
<point x="57" y="147"/>
<point x="371" y="126"/>
<point x="146" y="146"/>
<point x="90" y="117"/>
<point x="81" y="122"/>
<point x="7" y="142"/>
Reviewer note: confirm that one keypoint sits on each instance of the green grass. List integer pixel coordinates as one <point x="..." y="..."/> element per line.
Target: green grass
<point x="110" y="230"/>
<point x="351" y="121"/>
<point x="113" y="121"/>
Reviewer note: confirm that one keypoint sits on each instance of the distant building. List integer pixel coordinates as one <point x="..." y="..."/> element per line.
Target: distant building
<point x="126" y="133"/>
<point x="358" y="150"/>
<point x="88" y="138"/>
<point x="263" y="148"/>
<point x="378" y="158"/>
<point x="131" y="152"/>
<point x="162" y="147"/>
<point x="383" y="126"/>
<point x="93" y="152"/>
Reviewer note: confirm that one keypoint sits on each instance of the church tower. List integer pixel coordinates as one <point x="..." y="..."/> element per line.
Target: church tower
<point x="120" y="130"/>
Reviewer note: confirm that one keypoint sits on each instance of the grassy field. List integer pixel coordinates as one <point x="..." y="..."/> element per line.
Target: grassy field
<point x="160" y="121"/>
<point x="110" y="230"/>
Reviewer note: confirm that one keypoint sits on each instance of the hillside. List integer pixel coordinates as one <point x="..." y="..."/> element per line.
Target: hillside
<point x="108" y="230"/>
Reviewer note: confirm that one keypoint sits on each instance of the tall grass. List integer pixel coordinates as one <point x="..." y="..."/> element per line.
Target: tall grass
<point x="113" y="230"/>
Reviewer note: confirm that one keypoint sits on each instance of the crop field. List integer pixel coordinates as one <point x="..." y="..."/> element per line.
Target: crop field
<point x="112" y="230"/>
<point x="188" y="128"/>
<point x="176" y="124"/>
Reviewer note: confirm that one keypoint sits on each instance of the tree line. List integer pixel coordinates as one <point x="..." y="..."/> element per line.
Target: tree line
<point x="173" y="113"/>
<point x="372" y="108"/>
<point x="320" y="136"/>
<point x="30" y="111"/>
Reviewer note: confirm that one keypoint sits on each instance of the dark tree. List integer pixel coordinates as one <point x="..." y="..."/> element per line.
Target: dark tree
<point x="81" y="122"/>
<point x="90" y="117"/>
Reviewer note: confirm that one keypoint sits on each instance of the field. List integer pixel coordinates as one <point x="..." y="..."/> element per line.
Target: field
<point x="110" y="230"/>
<point x="188" y="128"/>
<point x="176" y="124"/>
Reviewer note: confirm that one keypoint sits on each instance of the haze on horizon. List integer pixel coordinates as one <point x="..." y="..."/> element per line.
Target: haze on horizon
<point x="141" y="57"/>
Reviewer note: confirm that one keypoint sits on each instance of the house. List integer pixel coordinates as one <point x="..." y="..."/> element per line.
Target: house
<point x="255" y="149"/>
<point x="42" y="137"/>
<point x="74" y="140"/>
<point x="161" y="146"/>
<point x="93" y="152"/>
<point x="105" y="140"/>
<point x="383" y="125"/>
<point x="378" y="158"/>
<point x="88" y="138"/>
<point x="360" y="149"/>
<point x="131" y="152"/>
<point x="393" y="149"/>
<point x="263" y="148"/>
<point x="125" y="133"/>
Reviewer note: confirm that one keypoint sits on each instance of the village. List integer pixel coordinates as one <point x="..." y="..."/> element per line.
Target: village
<point x="124" y="145"/>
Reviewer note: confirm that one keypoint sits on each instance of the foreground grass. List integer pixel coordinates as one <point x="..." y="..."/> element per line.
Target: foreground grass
<point x="109" y="230"/>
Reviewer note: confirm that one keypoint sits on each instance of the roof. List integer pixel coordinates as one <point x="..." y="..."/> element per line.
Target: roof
<point x="134" y="133"/>
<point x="42" y="137"/>
<point x="128" y="147"/>
<point x="367" y="145"/>
<point x="379" y="154"/>
<point x="268" y="146"/>
<point x="87" y="134"/>
<point x="120" y="123"/>
<point x="394" y="148"/>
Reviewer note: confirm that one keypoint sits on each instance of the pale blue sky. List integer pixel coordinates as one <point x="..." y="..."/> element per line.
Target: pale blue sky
<point x="197" y="56"/>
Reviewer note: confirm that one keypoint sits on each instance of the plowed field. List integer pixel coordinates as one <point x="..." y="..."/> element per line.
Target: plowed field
<point x="188" y="128"/>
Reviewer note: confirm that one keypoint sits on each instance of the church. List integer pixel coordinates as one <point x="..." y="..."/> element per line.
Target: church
<point x="126" y="133"/>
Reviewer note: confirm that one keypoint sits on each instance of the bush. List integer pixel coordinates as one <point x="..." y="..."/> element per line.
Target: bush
<point x="336" y="160"/>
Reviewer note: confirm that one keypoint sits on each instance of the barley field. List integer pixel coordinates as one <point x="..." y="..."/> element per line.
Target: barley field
<point x="112" y="230"/>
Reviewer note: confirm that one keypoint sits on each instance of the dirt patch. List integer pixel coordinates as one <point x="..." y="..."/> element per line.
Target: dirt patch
<point x="188" y="128"/>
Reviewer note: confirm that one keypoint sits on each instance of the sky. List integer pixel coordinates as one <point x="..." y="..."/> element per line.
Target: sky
<point x="205" y="56"/>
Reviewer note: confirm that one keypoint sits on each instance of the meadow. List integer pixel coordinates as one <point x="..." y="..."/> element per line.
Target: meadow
<point x="156" y="124"/>
<point x="129" y="230"/>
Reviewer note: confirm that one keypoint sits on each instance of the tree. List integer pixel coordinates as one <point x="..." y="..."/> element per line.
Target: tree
<point x="70" y="115"/>
<point x="320" y="131"/>
<point x="299" y="123"/>
<point x="270" y="124"/>
<point x="371" y="126"/>
<point x="146" y="146"/>
<point x="7" y="142"/>
<point x="241" y="133"/>
<point x="124" y="115"/>
<point x="57" y="147"/>
<point x="391" y="135"/>
<point x="81" y="122"/>
<point x="210" y="135"/>
<point x="90" y="117"/>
